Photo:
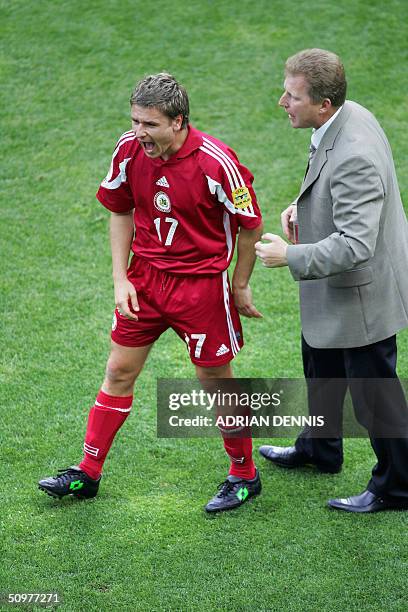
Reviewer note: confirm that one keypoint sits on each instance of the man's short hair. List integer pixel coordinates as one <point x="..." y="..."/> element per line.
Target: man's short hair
<point x="163" y="92"/>
<point x="324" y="73"/>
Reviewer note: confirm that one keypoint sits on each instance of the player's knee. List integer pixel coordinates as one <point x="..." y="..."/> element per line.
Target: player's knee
<point x="224" y="371"/>
<point x="119" y="371"/>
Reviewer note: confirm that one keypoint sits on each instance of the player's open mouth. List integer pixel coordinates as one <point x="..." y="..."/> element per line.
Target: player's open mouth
<point x="148" y="146"/>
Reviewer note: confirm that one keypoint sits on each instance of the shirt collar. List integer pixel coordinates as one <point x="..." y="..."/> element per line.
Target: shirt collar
<point x="193" y="141"/>
<point x="318" y="134"/>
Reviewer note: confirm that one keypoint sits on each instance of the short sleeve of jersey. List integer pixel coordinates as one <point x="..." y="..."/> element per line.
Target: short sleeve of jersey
<point x="114" y="192"/>
<point x="230" y="181"/>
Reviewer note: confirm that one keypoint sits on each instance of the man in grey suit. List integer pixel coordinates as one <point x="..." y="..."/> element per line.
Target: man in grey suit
<point x="350" y="256"/>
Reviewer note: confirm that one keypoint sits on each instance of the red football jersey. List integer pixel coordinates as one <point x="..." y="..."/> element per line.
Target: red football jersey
<point x="187" y="209"/>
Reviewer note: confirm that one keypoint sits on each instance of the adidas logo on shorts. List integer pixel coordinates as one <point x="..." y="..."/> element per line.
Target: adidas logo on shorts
<point x="222" y="350"/>
<point x="162" y="182"/>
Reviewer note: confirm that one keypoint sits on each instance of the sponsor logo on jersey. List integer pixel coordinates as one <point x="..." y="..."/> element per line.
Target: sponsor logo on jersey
<point x="241" y="198"/>
<point x="162" y="202"/>
<point x="114" y="322"/>
<point x="222" y="350"/>
<point x="162" y="182"/>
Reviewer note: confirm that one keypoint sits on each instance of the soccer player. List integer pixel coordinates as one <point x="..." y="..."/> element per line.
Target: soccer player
<point x="180" y="200"/>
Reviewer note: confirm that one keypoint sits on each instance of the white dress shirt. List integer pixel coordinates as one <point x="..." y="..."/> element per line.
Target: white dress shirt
<point x="318" y="134"/>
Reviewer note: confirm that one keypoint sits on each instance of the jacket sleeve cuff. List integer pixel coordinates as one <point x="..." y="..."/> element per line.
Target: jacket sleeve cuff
<point x="295" y="256"/>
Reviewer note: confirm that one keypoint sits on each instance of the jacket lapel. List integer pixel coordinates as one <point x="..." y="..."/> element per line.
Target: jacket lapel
<point x="327" y="143"/>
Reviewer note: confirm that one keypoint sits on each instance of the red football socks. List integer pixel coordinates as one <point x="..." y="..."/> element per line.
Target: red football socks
<point x="105" y="418"/>
<point x="239" y="451"/>
<point x="108" y="415"/>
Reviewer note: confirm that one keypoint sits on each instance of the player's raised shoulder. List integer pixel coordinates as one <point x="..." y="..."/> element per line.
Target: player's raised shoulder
<point x="122" y="154"/>
<point x="210" y="143"/>
<point x="227" y="178"/>
<point x="124" y="139"/>
<point x="220" y="156"/>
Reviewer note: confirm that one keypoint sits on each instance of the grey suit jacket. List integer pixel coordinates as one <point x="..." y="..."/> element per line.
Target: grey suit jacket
<point x="352" y="256"/>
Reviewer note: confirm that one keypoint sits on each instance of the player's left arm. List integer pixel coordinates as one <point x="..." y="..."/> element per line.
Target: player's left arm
<point x="245" y="263"/>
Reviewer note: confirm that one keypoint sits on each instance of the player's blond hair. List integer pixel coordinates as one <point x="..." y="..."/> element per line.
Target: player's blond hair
<point x="163" y="92"/>
<point x="324" y="73"/>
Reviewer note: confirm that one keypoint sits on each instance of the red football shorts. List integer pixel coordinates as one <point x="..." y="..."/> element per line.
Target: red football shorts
<point x="200" y="309"/>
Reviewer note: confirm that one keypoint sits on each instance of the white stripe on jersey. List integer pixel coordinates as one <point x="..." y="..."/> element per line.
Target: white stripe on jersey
<point x="235" y="179"/>
<point x="228" y="235"/>
<point x="126" y="137"/>
<point x="121" y="177"/>
<point x="230" y="162"/>
<point x="222" y="163"/>
<point x="216" y="189"/>
<point x="234" y="342"/>
<point x="112" y="408"/>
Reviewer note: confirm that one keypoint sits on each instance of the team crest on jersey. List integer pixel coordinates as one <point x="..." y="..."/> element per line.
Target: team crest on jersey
<point x="241" y="198"/>
<point x="162" y="202"/>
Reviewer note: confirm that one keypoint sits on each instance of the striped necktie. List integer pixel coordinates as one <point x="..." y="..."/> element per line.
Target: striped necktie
<point x="312" y="153"/>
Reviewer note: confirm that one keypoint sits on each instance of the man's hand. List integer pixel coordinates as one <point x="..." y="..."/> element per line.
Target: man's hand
<point x="288" y="217"/>
<point x="273" y="254"/>
<point x="243" y="302"/>
<point x="125" y="291"/>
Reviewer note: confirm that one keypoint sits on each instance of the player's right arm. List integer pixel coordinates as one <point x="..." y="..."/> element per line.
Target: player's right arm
<point x="121" y="236"/>
<point x="115" y="194"/>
